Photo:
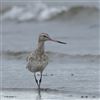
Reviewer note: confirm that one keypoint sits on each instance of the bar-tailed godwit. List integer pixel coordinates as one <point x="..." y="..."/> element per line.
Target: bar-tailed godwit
<point x="38" y="60"/>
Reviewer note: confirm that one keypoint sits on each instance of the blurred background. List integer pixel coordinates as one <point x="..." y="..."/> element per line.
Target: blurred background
<point x="74" y="22"/>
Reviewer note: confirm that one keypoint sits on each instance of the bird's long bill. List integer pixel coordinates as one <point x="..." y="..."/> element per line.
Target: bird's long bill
<point x="57" y="41"/>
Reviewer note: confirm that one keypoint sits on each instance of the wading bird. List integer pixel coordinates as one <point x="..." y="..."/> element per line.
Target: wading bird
<point x="38" y="60"/>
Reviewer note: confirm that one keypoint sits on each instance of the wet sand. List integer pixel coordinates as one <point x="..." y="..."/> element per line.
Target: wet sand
<point x="45" y="94"/>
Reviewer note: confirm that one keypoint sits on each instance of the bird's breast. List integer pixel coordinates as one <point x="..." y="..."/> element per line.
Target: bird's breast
<point x="42" y="61"/>
<point x="38" y="63"/>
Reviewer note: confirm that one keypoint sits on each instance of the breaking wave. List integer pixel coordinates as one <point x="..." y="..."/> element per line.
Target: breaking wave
<point x="41" y="12"/>
<point x="18" y="55"/>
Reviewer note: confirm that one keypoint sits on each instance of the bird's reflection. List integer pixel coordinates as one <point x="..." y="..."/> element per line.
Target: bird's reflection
<point x="38" y="97"/>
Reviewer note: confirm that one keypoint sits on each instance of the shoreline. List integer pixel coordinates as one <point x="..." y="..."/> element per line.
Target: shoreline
<point x="45" y="94"/>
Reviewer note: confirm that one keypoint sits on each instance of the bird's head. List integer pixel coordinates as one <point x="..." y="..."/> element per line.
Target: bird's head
<point x="46" y="37"/>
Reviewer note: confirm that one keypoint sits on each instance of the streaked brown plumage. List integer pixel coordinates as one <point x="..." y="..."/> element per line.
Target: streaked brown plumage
<point x="38" y="60"/>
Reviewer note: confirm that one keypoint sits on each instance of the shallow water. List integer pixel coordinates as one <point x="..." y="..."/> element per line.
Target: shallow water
<point x="74" y="74"/>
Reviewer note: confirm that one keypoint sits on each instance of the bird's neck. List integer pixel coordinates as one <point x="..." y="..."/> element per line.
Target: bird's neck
<point x="40" y="47"/>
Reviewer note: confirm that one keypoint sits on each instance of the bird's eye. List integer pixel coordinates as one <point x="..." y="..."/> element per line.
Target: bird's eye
<point x="44" y="36"/>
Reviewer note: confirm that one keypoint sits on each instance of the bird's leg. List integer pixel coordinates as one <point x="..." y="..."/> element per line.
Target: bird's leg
<point x="40" y="79"/>
<point x="36" y="80"/>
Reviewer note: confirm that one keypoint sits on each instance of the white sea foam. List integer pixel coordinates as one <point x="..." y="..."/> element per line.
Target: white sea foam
<point x="13" y="13"/>
<point x="42" y="12"/>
